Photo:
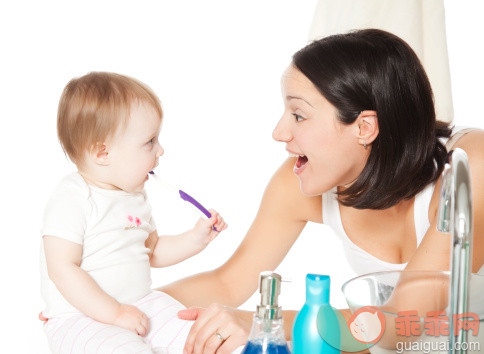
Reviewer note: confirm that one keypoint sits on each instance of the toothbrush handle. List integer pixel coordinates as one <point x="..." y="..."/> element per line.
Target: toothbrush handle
<point x="188" y="198"/>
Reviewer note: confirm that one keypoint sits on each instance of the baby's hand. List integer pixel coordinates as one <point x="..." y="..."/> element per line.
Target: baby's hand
<point x="131" y="318"/>
<point x="204" y="231"/>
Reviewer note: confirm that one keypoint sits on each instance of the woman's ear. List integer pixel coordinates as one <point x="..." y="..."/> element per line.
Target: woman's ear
<point x="367" y="123"/>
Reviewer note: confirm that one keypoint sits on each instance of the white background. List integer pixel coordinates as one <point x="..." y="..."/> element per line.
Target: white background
<point x="216" y="66"/>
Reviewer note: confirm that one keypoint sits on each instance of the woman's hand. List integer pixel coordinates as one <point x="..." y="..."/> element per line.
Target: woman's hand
<point x="217" y="329"/>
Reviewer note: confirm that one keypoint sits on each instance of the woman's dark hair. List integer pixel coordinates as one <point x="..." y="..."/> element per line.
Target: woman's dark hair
<point x="375" y="70"/>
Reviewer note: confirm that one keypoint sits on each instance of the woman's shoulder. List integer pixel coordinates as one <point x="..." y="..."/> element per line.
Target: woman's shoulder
<point x="472" y="142"/>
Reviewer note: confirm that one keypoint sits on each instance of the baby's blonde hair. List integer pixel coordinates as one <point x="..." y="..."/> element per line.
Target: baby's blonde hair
<point x="93" y="107"/>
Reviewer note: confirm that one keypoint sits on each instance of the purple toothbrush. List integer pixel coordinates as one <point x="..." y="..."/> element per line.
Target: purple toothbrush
<point x="188" y="198"/>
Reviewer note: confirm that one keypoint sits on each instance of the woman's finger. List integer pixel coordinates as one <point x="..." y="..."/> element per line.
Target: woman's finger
<point x="190" y="314"/>
<point x="42" y="317"/>
<point x="238" y="333"/>
<point x="231" y="344"/>
<point x="214" y="325"/>
<point x="202" y="318"/>
<point x="213" y="343"/>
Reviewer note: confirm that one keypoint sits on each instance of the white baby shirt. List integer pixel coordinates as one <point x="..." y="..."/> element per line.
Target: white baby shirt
<point x="112" y="227"/>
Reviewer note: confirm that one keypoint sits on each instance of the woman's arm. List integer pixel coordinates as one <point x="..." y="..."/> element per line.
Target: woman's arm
<point x="433" y="252"/>
<point x="283" y="213"/>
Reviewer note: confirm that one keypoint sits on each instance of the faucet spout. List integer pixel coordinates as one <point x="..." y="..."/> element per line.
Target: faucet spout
<point x="455" y="217"/>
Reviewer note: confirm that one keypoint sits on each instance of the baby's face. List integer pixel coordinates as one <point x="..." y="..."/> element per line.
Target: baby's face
<point x="134" y="151"/>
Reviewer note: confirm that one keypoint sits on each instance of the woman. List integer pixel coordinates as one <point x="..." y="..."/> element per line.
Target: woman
<point x="359" y="119"/>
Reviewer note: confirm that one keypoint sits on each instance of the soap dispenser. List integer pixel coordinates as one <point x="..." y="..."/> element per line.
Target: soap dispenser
<point x="305" y="336"/>
<point x="267" y="333"/>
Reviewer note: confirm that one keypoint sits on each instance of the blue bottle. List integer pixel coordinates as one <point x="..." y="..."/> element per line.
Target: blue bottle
<point x="305" y="336"/>
<point x="267" y="333"/>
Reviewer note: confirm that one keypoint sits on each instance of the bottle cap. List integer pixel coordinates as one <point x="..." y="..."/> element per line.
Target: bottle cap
<point x="270" y="288"/>
<point x="317" y="288"/>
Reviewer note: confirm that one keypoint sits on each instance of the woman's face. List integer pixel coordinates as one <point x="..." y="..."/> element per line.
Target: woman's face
<point x="329" y="152"/>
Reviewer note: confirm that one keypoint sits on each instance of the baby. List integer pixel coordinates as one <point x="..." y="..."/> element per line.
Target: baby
<point x="99" y="238"/>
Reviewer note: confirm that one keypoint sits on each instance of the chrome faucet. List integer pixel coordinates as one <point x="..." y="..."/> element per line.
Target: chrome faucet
<point x="455" y="217"/>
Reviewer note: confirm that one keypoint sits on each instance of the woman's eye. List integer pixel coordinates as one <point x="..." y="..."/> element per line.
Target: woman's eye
<point x="297" y="117"/>
<point x="152" y="140"/>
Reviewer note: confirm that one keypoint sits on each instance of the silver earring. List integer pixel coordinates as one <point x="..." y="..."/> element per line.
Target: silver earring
<point x="364" y="144"/>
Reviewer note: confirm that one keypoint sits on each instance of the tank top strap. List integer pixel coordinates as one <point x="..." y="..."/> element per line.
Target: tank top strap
<point x="421" y="211"/>
<point x="331" y="215"/>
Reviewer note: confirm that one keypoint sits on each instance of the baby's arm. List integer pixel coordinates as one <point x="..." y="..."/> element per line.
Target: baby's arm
<point x="63" y="260"/>
<point x="169" y="250"/>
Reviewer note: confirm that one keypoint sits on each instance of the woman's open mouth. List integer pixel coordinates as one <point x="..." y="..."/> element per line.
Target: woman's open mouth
<point x="300" y="164"/>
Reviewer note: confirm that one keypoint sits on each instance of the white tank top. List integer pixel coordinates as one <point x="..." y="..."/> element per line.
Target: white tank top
<point x="360" y="260"/>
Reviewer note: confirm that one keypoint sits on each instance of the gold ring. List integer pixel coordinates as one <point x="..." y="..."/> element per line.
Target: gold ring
<point x="219" y="336"/>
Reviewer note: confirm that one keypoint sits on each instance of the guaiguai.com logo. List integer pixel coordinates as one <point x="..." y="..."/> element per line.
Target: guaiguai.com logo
<point x="366" y="328"/>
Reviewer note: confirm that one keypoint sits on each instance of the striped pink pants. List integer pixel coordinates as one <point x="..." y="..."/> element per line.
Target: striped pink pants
<point x="81" y="334"/>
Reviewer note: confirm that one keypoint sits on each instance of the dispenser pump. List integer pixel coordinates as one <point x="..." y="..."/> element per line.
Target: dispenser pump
<point x="270" y="289"/>
<point x="267" y="333"/>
